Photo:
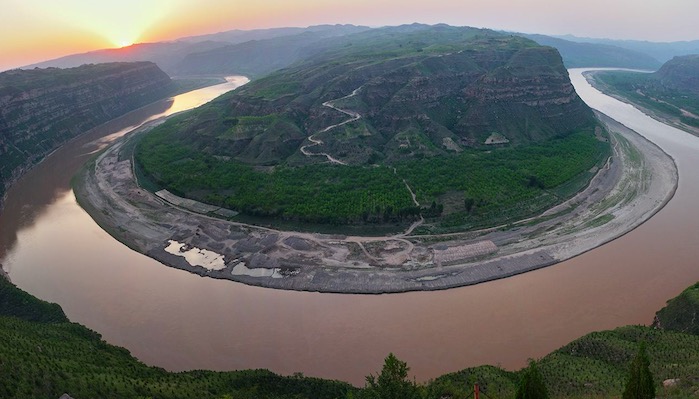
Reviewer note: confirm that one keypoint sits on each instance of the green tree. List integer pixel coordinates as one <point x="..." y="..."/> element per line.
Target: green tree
<point x="532" y="384"/>
<point x="640" y="383"/>
<point x="392" y="382"/>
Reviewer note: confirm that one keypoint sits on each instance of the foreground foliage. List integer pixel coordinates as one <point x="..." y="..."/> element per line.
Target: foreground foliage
<point x="532" y="384"/>
<point x="392" y="383"/>
<point x="43" y="355"/>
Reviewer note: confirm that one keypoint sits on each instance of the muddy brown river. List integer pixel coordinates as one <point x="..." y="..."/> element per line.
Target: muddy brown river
<point x="177" y="320"/>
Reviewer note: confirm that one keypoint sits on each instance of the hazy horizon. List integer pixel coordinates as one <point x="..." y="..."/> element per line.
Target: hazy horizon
<point x="33" y="31"/>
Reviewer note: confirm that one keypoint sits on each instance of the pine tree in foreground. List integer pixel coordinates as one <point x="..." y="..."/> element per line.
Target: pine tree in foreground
<point x="532" y="384"/>
<point x="392" y="382"/>
<point x="640" y="383"/>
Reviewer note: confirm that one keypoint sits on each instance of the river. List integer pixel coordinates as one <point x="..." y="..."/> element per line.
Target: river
<point x="180" y="321"/>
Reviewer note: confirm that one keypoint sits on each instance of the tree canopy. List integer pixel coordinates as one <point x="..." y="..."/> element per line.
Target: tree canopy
<point x="640" y="384"/>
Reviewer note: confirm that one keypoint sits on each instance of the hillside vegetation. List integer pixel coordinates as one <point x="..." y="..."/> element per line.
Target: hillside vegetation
<point x="672" y="91"/>
<point x="681" y="313"/>
<point x="426" y="102"/>
<point x="43" y="355"/>
<point x="41" y="109"/>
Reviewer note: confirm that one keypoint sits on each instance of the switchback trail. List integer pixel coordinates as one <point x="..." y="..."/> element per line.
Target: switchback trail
<point x="354" y="116"/>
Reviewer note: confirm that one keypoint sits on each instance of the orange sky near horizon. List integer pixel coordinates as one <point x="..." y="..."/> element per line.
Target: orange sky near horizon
<point x="37" y="30"/>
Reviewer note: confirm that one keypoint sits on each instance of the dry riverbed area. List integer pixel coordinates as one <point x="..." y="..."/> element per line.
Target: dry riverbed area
<point x="636" y="182"/>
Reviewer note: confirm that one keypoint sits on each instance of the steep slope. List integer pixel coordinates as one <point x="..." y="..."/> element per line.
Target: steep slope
<point x="681" y="313"/>
<point x="593" y="366"/>
<point x="582" y="55"/>
<point x="41" y="109"/>
<point x="410" y="98"/>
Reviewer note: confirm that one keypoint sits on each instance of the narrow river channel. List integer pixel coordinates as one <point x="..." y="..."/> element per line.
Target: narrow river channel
<point x="170" y="318"/>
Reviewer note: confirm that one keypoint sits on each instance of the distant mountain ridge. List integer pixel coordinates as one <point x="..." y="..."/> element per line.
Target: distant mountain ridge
<point x="260" y="57"/>
<point x="418" y="83"/>
<point x="582" y="55"/>
<point x="258" y="52"/>
<point x="170" y="55"/>
<point x="661" y="51"/>
<point x="680" y="73"/>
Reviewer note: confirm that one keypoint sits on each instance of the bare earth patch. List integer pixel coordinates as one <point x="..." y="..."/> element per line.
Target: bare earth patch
<point x="638" y="181"/>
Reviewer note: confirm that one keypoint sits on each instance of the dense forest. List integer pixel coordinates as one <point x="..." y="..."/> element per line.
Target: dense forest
<point x="476" y="186"/>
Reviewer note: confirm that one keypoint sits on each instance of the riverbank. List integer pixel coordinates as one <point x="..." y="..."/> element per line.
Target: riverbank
<point x="653" y="113"/>
<point x="28" y="323"/>
<point x="638" y="181"/>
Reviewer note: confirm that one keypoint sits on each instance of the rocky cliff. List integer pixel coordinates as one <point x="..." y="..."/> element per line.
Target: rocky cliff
<point x="41" y="109"/>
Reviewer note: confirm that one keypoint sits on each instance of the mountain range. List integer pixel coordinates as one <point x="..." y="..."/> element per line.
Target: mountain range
<point x="258" y="52"/>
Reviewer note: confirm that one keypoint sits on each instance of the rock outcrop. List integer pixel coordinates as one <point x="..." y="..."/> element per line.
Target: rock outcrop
<point x="41" y="109"/>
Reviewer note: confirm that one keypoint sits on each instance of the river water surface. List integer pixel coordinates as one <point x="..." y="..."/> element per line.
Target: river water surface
<point x="180" y="321"/>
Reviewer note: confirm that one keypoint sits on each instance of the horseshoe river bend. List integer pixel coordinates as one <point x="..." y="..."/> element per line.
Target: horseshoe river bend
<point x="177" y="320"/>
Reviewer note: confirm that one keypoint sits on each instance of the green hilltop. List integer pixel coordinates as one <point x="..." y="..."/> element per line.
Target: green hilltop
<point x="681" y="313"/>
<point x="408" y="103"/>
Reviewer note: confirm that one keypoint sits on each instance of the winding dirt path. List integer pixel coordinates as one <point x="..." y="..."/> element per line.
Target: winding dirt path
<point x="354" y="116"/>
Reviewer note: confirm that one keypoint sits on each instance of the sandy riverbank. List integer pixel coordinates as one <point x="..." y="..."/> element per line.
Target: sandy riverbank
<point x="636" y="183"/>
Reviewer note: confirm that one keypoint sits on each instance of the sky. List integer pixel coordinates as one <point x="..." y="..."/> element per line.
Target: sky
<point x="38" y="30"/>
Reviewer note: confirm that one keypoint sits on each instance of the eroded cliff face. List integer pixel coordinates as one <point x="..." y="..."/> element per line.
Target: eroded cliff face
<point x="431" y="92"/>
<point x="42" y="109"/>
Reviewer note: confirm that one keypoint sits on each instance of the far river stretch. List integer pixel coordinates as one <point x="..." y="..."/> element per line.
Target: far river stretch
<point x="180" y="321"/>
